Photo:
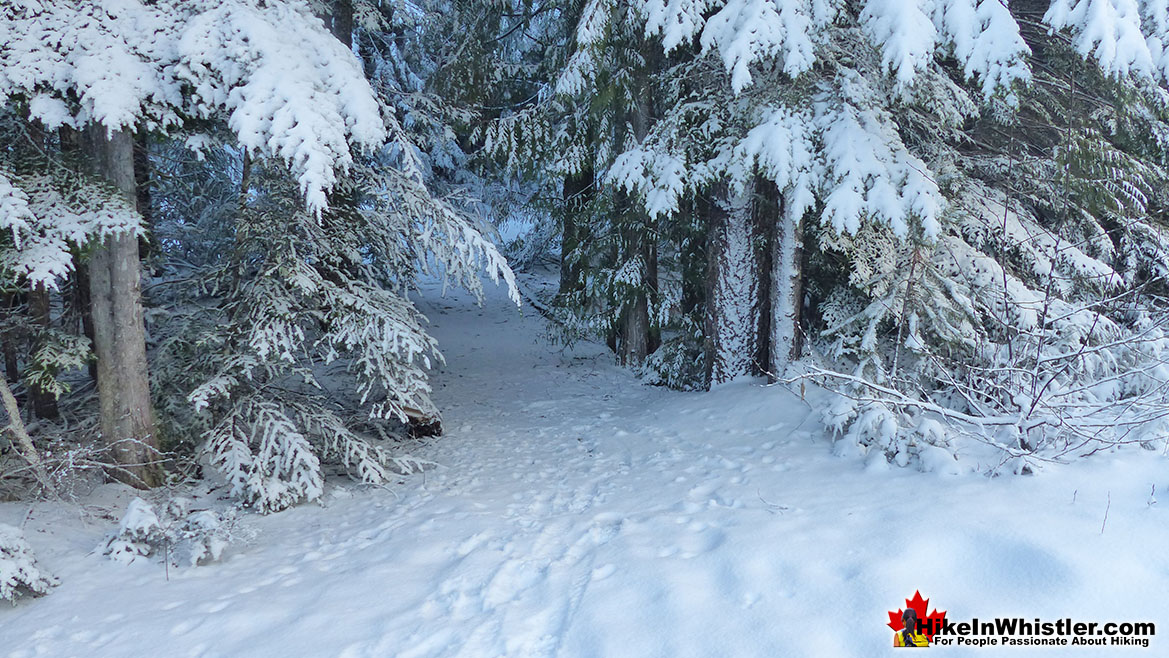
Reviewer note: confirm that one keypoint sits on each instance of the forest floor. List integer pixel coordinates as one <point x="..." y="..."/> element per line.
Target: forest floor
<point x="576" y="512"/>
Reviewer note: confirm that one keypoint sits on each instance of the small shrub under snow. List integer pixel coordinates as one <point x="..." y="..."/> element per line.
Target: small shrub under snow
<point x="183" y="536"/>
<point x="19" y="573"/>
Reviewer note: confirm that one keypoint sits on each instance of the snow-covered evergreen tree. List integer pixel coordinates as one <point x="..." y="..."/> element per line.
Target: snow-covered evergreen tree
<point x="19" y="572"/>
<point x="257" y="88"/>
<point x="924" y="153"/>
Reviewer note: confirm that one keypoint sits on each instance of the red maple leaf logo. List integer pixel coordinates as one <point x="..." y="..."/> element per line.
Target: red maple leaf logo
<point x="919" y="606"/>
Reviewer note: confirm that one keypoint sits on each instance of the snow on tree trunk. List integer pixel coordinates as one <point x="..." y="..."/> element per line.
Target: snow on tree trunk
<point x="787" y="289"/>
<point x="733" y="305"/>
<point x="127" y="418"/>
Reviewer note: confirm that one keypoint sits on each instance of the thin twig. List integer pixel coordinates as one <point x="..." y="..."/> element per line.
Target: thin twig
<point x="1106" y="508"/>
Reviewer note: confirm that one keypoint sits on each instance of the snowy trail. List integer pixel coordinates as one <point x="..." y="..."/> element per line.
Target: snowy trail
<point x="578" y="513"/>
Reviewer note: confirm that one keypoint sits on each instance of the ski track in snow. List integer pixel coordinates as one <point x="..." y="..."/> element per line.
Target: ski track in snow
<point x="575" y="512"/>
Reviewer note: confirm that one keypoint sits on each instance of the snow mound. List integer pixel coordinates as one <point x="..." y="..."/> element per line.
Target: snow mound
<point x="183" y="536"/>
<point x="19" y="573"/>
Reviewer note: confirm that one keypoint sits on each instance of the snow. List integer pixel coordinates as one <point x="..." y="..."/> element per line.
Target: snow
<point x="15" y="215"/>
<point x="46" y="221"/>
<point x="289" y="89"/>
<point x="782" y="145"/>
<point x="576" y="512"/>
<point x="786" y="297"/>
<point x="1107" y="30"/>
<point x="676" y="20"/>
<point x="1156" y="19"/>
<point x="867" y="171"/>
<point x="745" y="30"/>
<point x="182" y="536"/>
<point x="19" y="572"/>
<point x="904" y="33"/>
<point x="735" y="296"/>
<point x="986" y="39"/>
<point x="661" y="176"/>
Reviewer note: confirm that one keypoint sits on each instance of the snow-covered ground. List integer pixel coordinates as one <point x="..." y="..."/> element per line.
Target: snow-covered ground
<point x="576" y="512"/>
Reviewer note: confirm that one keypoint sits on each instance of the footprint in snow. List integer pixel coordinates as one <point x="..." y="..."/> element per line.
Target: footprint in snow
<point x="605" y="528"/>
<point x="184" y="627"/>
<point x="604" y="571"/>
<point x="83" y="636"/>
<point x="470" y="544"/>
<point x="512" y="579"/>
<point x="699" y="540"/>
<point x="211" y="608"/>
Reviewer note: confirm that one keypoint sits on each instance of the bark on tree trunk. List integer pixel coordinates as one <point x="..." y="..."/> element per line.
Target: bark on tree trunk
<point x="692" y="258"/>
<point x="127" y="417"/>
<point x="23" y="441"/>
<point x="578" y="194"/>
<point x="733" y="300"/>
<point x="10" y="339"/>
<point x="82" y="308"/>
<point x="639" y="257"/>
<point x="787" y="288"/>
<point x="44" y="403"/>
<point x="766" y="223"/>
<point x="638" y="244"/>
<point x="654" y="334"/>
<point x="148" y="245"/>
<point x="341" y="22"/>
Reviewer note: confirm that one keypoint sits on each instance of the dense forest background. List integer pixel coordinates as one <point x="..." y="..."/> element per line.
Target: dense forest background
<point x="950" y="213"/>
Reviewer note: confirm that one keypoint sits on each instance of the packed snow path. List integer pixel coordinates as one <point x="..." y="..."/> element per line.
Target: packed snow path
<point x="576" y="512"/>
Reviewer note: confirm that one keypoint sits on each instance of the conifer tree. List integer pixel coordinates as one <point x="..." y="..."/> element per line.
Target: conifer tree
<point x="895" y="134"/>
<point x="174" y="68"/>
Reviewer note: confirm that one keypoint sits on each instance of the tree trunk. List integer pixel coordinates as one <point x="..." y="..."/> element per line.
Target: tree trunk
<point x="693" y="216"/>
<point x="766" y="227"/>
<point x="633" y="330"/>
<point x="148" y="245"/>
<point x="82" y="308"/>
<point x="127" y="418"/>
<point x="338" y="17"/>
<point x="44" y="403"/>
<point x="733" y="298"/>
<point x="654" y="334"/>
<point x="341" y="21"/>
<point x="787" y="289"/>
<point x="10" y="338"/>
<point x="638" y="243"/>
<point x="23" y="441"/>
<point x="578" y="195"/>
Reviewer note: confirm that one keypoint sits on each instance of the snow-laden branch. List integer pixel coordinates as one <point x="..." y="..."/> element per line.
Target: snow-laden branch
<point x="288" y="87"/>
